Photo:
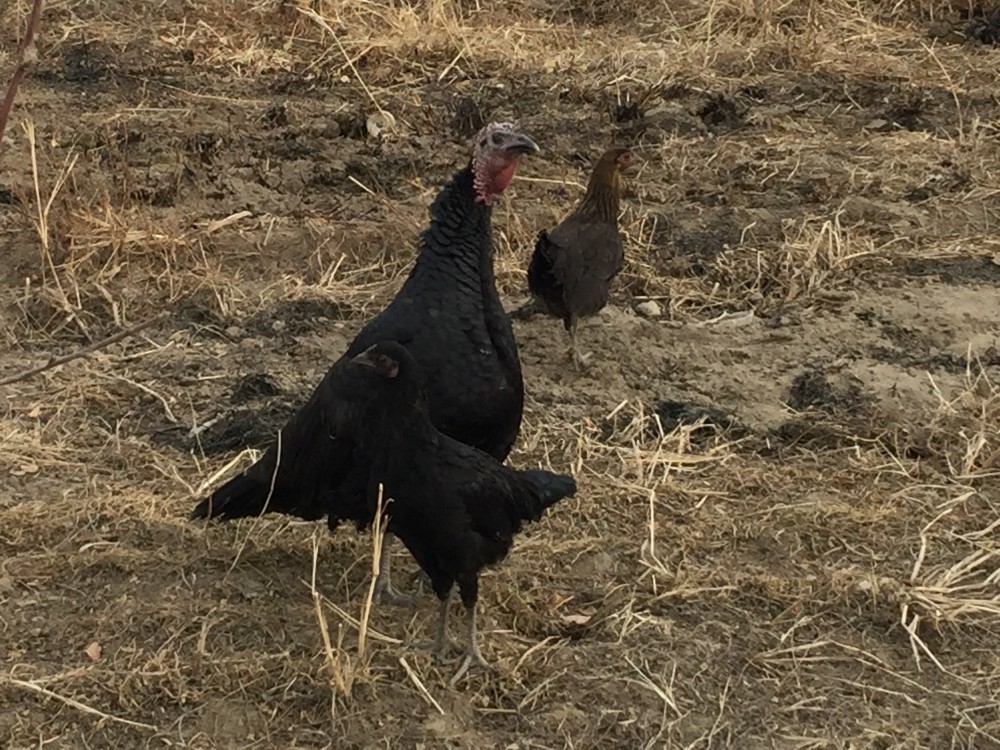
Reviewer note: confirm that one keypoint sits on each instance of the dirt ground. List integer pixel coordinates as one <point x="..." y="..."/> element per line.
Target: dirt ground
<point x="785" y="534"/>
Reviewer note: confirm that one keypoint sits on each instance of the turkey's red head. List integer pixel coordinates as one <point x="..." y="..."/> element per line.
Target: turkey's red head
<point x="495" y="155"/>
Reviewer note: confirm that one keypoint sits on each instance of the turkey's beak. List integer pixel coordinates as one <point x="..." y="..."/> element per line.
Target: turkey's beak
<point x="519" y="143"/>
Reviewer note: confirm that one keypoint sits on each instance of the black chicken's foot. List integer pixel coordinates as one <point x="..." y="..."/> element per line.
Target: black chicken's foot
<point x="439" y="648"/>
<point x="385" y="593"/>
<point x="473" y="656"/>
<point x="442" y="643"/>
<point x="421" y="580"/>
<point x="580" y="359"/>
<point x="470" y="660"/>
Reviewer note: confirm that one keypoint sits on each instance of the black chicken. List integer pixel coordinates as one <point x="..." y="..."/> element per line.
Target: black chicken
<point x="449" y="311"/>
<point x="573" y="264"/>
<point x="455" y="508"/>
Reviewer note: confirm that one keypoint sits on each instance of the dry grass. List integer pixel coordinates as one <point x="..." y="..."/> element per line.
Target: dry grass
<point x="821" y="574"/>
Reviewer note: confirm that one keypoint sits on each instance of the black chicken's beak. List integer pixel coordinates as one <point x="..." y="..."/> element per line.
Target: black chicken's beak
<point x="519" y="143"/>
<point x="364" y="358"/>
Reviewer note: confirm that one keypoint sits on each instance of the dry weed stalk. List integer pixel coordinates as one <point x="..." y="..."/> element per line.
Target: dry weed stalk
<point x="344" y="671"/>
<point x="436" y="38"/>
<point x="322" y="23"/>
<point x="964" y="429"/>
<point x="819" y="253"/>
<point x="650" y="459"/>
<point x="966" y="590"/>
<point x="42" y="220"/>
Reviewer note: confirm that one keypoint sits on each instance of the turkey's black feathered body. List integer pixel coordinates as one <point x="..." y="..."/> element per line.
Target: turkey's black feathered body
<point x="449" y="314"/>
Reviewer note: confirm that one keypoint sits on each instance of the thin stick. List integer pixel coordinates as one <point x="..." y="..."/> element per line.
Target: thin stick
<point x="25" y="55"/>
<point x="76" y="704"/>
<point x="90" y="349"/>
<point x="420" y="685"/>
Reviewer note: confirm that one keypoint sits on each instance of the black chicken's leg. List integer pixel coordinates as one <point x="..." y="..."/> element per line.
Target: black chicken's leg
<point x="473" y="656"/>
<point x="384" y="591"/>
<point x="442" y="642"/>
<point x="580" y="359"/>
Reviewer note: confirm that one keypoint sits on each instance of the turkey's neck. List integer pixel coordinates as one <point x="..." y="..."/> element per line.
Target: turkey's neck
<point x="601" y="199"/>
<point x="458" y="237"/>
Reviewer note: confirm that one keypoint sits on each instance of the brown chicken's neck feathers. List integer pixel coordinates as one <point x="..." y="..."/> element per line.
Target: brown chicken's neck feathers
<point x="602" y="199"/>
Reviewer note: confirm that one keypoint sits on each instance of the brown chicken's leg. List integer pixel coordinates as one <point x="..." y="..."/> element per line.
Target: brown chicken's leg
<point x="473" y="656"/>
<point x="384" y="592"/>
<point x="579" y="359"/>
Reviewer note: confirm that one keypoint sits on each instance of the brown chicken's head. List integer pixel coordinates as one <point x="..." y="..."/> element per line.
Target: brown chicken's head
<point x="608" y="172"/>
<point x="496" y="153"/>
<point x="619" y="158"/>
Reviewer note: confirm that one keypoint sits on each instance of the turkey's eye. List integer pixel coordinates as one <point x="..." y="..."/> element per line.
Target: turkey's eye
<point x="497" y="139"/>
<point x="482" y="143"/>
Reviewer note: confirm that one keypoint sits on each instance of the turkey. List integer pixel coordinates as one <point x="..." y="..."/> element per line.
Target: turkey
<point x="574" y="263"/>
<point x="455" y="508"/>
<point x="448" y="311"/>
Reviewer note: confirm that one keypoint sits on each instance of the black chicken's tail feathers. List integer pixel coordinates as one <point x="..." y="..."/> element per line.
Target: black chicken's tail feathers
<point x="549" y="488"/>
<point x="240" y="497"/>
<point x="296" y="492"/>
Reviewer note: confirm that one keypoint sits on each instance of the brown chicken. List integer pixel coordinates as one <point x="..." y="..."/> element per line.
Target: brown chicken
<point x="573" y="264"/>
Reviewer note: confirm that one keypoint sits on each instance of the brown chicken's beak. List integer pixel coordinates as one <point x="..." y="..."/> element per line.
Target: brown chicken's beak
<point x="519" y="143"/>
